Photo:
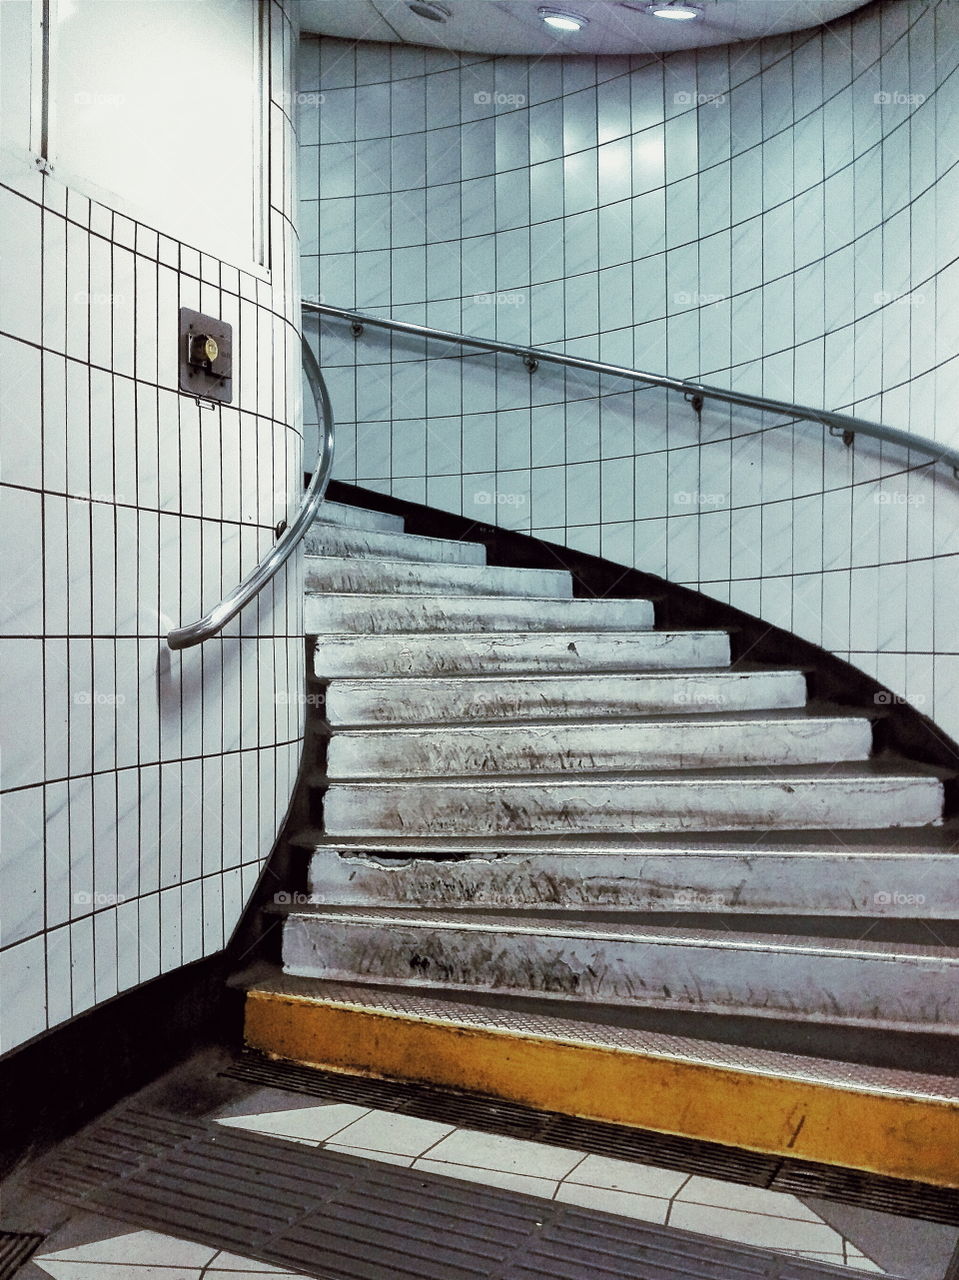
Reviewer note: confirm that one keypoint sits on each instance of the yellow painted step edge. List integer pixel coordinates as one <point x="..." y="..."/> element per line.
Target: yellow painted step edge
<point x="900" y="1136"/>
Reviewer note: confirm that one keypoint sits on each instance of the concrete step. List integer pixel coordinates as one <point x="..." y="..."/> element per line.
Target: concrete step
<point x="432" y="700"/>
<point x="340" y="513"/>
<point x="343" y="656"/>
<point x="843" y="796"/>
<point x="900" y="1123"/>
<point x="894" y="985"/>
<point x="373" y="614"/>
<point x="340" y="540"/>
<point x="591" y="747"/>
<point x="336" y="574"/>
<point x="731" y="879"/>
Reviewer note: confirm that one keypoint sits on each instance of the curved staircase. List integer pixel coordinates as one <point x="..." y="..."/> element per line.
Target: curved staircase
<point x="564" y="857"/>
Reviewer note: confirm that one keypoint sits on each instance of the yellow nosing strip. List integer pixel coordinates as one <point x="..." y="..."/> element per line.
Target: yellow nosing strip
<point x="850" y="1125"/>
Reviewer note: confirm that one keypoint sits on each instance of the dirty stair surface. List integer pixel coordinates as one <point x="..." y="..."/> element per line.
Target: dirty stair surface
<point x="520" y="794"/>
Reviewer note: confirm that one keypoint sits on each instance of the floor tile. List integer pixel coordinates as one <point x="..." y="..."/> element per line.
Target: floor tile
<point x="755" y="1228"/>
<point x="732" y="1195"/>
<point x="140" y="1247"/>
<point x="622" y="1175"/>
<point x="233" y="1264"/>
<point x="401" y="1135"/>
<point x="364" y="1153"/>
<point x="509" y="1155"/>
<point x="627" y="1205"/>
<point x="274" y="1273"/>
<point x="306" y="1124"/>
<point x="68" y="1269"/>
<point x="522" y="1182"/>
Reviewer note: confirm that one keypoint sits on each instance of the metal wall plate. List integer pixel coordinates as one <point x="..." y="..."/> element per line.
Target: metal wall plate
<point x="205" y="356"/>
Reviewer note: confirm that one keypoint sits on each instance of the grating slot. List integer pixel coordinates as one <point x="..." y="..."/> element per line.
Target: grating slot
<point x="668" y="1151"/>
<point x="872" y="1191"/>
<point x="16" y="1247"/>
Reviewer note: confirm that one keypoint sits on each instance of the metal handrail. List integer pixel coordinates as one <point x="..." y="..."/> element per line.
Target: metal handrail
<point x="843" y="424"/>
<point x="254" y="582"/>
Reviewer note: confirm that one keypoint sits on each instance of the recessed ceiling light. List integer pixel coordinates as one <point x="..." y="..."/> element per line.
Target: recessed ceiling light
<point x="674" y="10"/>
<point x="429" y="9"/>
<point x="560" y="20"/>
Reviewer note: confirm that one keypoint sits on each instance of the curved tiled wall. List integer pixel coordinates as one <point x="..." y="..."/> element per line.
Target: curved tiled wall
<point x="142" y="790"/>
<point x="777" y="217"/>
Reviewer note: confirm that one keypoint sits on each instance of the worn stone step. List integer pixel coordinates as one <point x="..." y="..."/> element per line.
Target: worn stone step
<point x="902" y="1123"/>
<point x="341" y="513"/>
<point x="588" y="747"/>
<point x="741" y="878"/>
<point x="340" y="540"/>
<point x="468" y="699"/>
<point x="512" y="653"/>
<point x="843" y="796"/>
<point x="881" y="984"/>
<point x="375" y="614"/>
<point x="350" y="574"/>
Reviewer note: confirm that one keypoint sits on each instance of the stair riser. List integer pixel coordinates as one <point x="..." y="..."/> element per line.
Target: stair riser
<point x="441" y="701"/>
<point x="340" y="514"/>
<point x="396" y="577"/>
<point x="593" y="748"/>
<point x="337" y="540"/>
<point x="618" y="808"/>
<point x="377" y="615"/>
<point x="908" y="994"/>
<point x="425" y="655"/>
<point x="906" y="887"/>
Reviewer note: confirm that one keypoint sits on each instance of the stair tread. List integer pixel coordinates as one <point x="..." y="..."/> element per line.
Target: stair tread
<point x="886" y="842"/>
<point x="383" y="542"/>
<point x="845" y="771"/>
<point x="689" y="720"/>
<point x="506" y="1016"/>
<point x="674" y="674"/>
<point x="353" y="517"/>
<point x="529" y="923"/>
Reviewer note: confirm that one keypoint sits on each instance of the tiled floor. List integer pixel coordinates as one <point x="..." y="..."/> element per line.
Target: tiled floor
<point x="746" y="1214"/>
<point x="114" y="1252"/>
<point x="84" y="1246"/>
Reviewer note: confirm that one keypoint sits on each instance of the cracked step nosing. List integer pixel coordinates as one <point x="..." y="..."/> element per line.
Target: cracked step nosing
<point x="924" y="886"/>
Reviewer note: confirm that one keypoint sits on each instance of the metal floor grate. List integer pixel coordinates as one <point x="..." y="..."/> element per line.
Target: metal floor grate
<point x="337" y="1217"/>
<point x="688" y="1155"/>
<point x="16" y="1248"/>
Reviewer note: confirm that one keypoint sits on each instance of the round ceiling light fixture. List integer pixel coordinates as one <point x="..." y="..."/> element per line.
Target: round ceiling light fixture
<point x="430" y="9"/>
<point x="562" y="20"/>
<point x="674" y="10"/>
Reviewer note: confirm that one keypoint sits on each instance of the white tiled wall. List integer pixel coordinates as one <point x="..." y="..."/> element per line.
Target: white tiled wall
<point x="778" y="217"/>
<point x="142" y="789"/>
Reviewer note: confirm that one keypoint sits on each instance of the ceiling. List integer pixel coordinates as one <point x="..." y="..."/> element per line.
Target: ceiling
<point x="514" y="26"/>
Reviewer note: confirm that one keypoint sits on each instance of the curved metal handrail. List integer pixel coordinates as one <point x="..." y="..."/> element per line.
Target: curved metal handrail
<point x="838" y="423"/>
<point x="254" y="582"/>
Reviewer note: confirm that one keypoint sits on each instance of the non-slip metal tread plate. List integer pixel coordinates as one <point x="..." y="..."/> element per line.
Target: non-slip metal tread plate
<point x="688" y="1155"/>
<point x="338" y="1217"/>
<point x="16" y="1248"/>
<point x="490" y="1016"/>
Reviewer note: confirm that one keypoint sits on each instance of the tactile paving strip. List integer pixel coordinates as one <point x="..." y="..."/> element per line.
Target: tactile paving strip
<point x="16" y="1247"/>
<point x="336" y="1217"/>
<point x="689" y="1155"/>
